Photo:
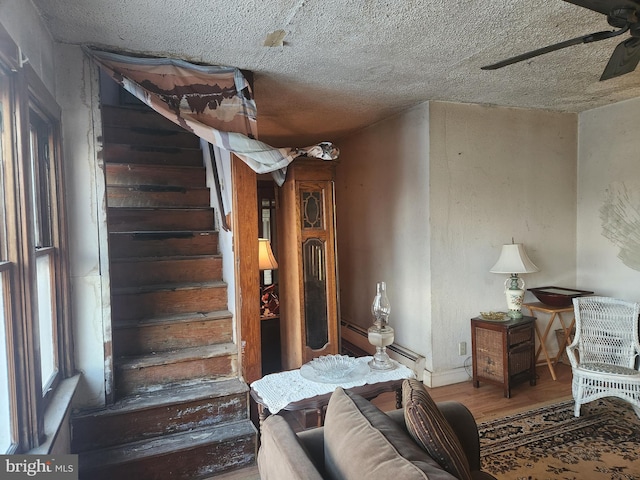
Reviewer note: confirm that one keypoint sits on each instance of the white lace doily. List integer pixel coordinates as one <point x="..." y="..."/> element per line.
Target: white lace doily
<point x="277" y="390"/>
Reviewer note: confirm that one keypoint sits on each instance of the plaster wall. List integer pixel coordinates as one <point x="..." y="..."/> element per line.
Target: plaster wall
<point x="608" y="238"/>
<point x="382" y="217"/>
<point x="497" y="174"/>
<point x="24" y="25"/>
<point x="425" y="201"/>
<point x="78" y="95"/>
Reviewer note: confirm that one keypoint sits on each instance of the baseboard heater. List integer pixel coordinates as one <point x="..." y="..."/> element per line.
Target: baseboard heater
<point x="358" y="337"/>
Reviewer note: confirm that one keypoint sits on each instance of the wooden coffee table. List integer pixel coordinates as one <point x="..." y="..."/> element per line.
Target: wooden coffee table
<point x="306" y="394"/>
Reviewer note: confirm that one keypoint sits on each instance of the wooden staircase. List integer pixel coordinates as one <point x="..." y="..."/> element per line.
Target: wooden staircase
<point x="180" y="410"/>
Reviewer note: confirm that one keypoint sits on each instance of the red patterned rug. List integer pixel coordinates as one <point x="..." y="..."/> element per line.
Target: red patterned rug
<point x="549" y="443"/>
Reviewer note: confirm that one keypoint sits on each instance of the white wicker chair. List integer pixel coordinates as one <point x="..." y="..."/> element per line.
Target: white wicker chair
<point x="605" y="352"/>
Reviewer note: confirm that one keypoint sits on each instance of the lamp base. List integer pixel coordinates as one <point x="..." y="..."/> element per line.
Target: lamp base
<point x="381" y="360"/>
<point x="380" y="337"/>
<point x="515" y="297"/>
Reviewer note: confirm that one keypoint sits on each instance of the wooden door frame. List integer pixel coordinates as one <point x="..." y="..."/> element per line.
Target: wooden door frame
<point x="247" y="273"/>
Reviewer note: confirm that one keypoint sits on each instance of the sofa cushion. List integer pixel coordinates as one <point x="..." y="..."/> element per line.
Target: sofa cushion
<point x="430" y="429"/>
<point x="281" y="454"/>
<point x="360" y="441"/>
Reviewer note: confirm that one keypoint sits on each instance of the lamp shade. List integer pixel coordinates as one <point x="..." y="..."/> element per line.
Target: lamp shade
<point x="513" y="259"/>
<point x="266" y="260"/>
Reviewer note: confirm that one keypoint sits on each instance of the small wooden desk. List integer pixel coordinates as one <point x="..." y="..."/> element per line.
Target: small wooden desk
<point x="553" y="312"/>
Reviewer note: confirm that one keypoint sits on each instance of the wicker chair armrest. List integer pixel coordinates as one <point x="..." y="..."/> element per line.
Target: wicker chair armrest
<point x="572" y="353"/>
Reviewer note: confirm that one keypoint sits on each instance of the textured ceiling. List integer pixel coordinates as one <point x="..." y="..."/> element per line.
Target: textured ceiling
<point x="346" y="64"/>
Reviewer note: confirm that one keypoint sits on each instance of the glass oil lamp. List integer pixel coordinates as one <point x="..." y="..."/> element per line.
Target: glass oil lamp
<point x="380" y="334"/>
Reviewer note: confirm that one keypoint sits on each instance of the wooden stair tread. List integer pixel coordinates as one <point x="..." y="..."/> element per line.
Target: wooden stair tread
<point x="163" y="207"/>
<point x="173" y="394"/>
<point x="152" y="135"/>
<point x="152" y="148"/>
<point x="157" y="209"/>
<point x="175" y="318"/>
<point x="178" y="168"/>
<point x="153" y="234"/>
<point x="151" y="155"/>
<point x="165" y="444"/>
<point x="176" y="356"/>
<point x="153" y="188"/>
<point x="121" y="114"/>
<point x="166" y="258"/>
<point x="167" y="287"/>
<point x="142" y="235"/>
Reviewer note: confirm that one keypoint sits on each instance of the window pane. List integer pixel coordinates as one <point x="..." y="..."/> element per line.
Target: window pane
<point x="46" y="318"/>
<point x="5" y="386"/>
<point x="41" y="191"/>
<point x="35" y="214"/>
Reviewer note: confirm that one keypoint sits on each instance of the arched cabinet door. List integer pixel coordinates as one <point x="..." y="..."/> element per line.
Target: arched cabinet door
<point x="307" y="255"/>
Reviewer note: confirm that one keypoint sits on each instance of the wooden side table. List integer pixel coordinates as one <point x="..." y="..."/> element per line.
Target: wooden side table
<point x="319" y="402"/>
<point x="503" y="352"/>
<point x="553" y="312"/>
<point x="289" y="390"/>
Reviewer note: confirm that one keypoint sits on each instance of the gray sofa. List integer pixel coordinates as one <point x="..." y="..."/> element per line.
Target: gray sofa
<point x="358" y="441"/>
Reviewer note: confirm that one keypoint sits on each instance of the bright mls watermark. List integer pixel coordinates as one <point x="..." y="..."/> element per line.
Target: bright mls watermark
<point x="51" y="467"/>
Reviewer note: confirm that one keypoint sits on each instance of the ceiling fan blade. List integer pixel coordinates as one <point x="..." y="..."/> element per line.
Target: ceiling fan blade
<point x="605" y="6"/>
<point x="592" y="37"/>
<point x="624" y="59"/>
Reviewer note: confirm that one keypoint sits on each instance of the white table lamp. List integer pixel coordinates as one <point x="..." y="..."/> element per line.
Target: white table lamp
<point x="514" y="260"/>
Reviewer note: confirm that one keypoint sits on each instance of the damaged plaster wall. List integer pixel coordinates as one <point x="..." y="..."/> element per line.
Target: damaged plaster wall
<point x="86" y="203"/>
<point x="608" y="228"/>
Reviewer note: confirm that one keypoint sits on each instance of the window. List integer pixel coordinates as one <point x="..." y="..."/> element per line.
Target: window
<point x="35" y="341"/>
<point x="42" y="213"/>
<point x="7" y="398"/>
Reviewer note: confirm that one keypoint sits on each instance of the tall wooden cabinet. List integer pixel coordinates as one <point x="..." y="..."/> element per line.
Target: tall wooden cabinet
<point x="309" y="318"/>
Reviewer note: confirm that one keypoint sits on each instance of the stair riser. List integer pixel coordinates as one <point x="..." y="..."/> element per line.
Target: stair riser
<point x="134" y="117"/>
<point x="137" y="273"/>
<point x="148" y="155"/>
<point x="166" y="337"/>
<point x="154" y="220"/>
<point x="140" y="380"/>
<point x="150" y="136"/>
<point x="125" y="174"/>
<point x="103" y="431"/>
<point x="165" y="302"/>
<point x="197" y="463"/>
<point x="132" y="245"/>
<point x="126" y="197"/>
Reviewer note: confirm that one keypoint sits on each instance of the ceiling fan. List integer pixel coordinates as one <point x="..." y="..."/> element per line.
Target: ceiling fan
<point x="624" y="15"/>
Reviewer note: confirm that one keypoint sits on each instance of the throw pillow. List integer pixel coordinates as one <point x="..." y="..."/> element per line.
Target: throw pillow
<point x="430" y="429"/>
<point x="360" y="441"/>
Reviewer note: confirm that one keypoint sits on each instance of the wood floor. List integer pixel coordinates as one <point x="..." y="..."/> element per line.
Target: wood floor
<point x="485" y="403"/>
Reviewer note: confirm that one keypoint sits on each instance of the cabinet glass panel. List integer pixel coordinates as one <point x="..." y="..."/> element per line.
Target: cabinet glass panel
<point x="315" y="293"/>
<point x="312" y="214"/>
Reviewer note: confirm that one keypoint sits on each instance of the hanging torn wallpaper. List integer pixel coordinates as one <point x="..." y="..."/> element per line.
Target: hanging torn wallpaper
<point x="215" y="103"/>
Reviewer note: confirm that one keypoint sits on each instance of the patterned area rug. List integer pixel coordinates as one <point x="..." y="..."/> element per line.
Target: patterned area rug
<point x="549" y="443"/>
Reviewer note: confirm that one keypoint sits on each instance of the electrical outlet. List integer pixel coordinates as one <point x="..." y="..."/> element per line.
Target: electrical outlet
<point x="462" y="348"/>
